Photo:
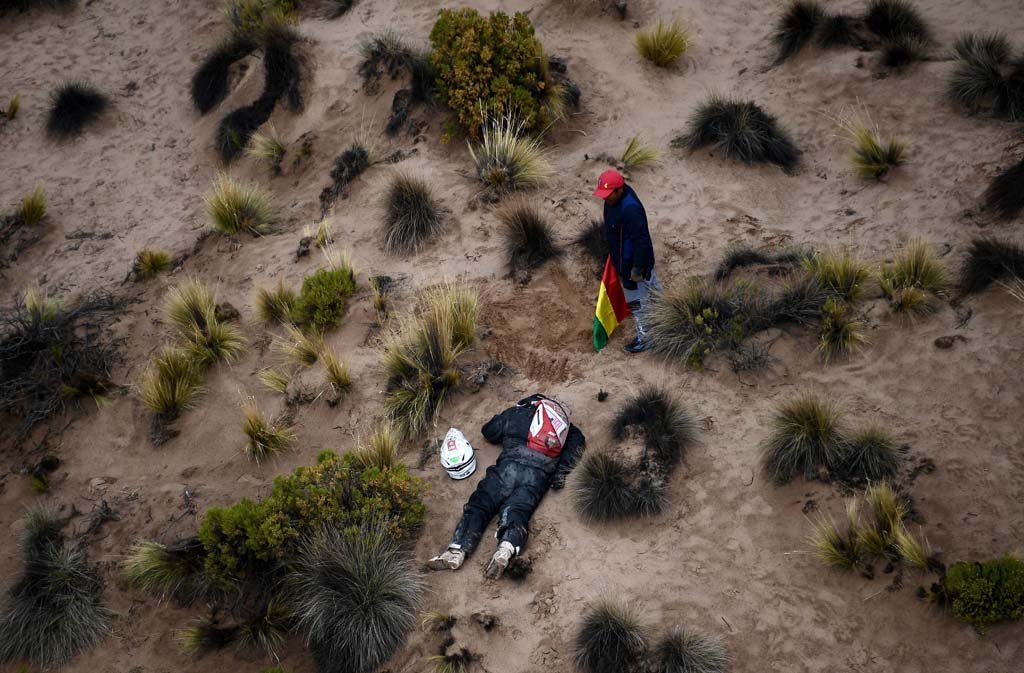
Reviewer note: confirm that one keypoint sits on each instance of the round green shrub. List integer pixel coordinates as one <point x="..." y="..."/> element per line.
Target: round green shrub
<point x="324" y="297"/>
<point x="487" y="65"/>
<point x="983" y="593"/>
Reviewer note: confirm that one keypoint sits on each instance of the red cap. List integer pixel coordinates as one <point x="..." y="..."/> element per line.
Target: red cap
<point x="608" y="182"/>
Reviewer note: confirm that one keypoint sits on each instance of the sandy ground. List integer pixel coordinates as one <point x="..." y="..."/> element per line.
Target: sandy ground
<point x="729" y="555"/>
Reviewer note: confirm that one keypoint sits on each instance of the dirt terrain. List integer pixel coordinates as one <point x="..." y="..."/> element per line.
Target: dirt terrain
<point x="729" y="555"/>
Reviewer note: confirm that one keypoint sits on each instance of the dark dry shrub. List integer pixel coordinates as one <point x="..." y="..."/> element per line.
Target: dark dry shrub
<point x="593" y="243"/>
<point x="236" y="127"/>
<point x="870" y="455"/>
<point x="742" y="130"/>
<point x="355" y="599"/>
<point x="610" y="638"/>
<point x="796" y="27"/>
<point x="210" y="81"/>
<point x="385" y="51"/>
<point x="267" y="628"/>
<point x="527" y="236"/>
<point x="338" y="8"/>
<point x="174" y="570"/>
<point x="72" y="106"/>
<point x="1005" y="195"/>
<point x="347" y="166"/>
<point x="891" y="19"/>
<point x="603" y="489"/>
<point x="53" y="611"/>
<point x="982" y="593"/>
<point x="989" y="261"/>
<point x="423" y="82"/>
<point x="903" y="50"/>
<point x="26" y="5"/>
<point x="981" y="76"/>
<point x="411" y="214"/>
<point x="324" y="297"/>
<point x="688" y="651"/>
<point x="51" y="355"/>
<point x="742" y="255"/>
<point x="282" y="69"/>
<point x="805" y="437"/>
<point x="668" y="429"/>
<point x="206" y="634"/>
<point x="837" y="30"/>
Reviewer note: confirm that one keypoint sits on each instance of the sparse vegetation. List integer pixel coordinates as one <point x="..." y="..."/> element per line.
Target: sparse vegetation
<point x="663" y="44"/>
<point x="174" y="570"/>
<point x="742" y="130"/>
<point x="53" y="611"/>
<point x="506" y="159"/>
<point x="150" y="263"/>
<point x="210" y="81"/>
<point x="337" y="373"/>
<point x="989" y="261"/>
<point x="233" y="208"/>
<point x="267" y="147"/>
<point x="1005" y="195"/>
<point x="987" y="77"/>
<point x="265" y="439"/>
<point x="983" y="593"/>
<point x="687" y="651"/>
<point x="637" y="155"/>
<point x="805" y="437"/>
<point x="412" y="216"/>
<point x="206" y="635"/>
<point x="324" y="297"/>
<point x="610" y="638"/>
<point x="421" y="358"/>
<point x="301" y="348"/>
<point x="32" y="208"/>
<point x="383" y="51"/>
<point x="842" y="332"/>
<point x="73" y="106"/>
<point x="276" y="305"/>
<point x="527" y="236"/>
<point x="282" y="69"/>
<point x="347" y="166"/>
<point x="913" y="279"/>
<point x="797" y="26"/>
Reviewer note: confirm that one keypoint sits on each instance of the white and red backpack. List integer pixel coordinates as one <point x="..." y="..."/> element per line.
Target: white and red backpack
<point x="549" y="427"/>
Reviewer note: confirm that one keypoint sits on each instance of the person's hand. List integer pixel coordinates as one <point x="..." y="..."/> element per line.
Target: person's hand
<point x="558" y="483"/>
<point x="635" y="275"/>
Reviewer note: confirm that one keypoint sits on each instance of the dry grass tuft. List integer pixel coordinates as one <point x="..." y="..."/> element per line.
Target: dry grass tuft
<point x="233" y="208"/>
<point x="265" y="439"/>
<point x="507" y="159"/>
<point x="663" y="44"/>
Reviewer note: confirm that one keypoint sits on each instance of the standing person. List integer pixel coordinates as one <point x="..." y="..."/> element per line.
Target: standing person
<point x="539" y="449"/>
<point x="631" y="249"/>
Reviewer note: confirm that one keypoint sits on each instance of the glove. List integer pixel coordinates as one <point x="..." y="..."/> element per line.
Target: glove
<point x="558" y="483"/>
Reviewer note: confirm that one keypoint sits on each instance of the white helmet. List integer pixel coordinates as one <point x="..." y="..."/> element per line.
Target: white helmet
<point x="457" y="455"/>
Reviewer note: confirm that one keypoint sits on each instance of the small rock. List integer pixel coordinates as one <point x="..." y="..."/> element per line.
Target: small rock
<point x="226" y="312"/>
<point x="303" y="249"/>
<point x="947" y="342"/>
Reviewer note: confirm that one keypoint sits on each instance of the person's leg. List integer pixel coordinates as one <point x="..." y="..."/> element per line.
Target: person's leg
<point x="638" y="301"/>
<point x="478" y="511"/>
<point x="513" y="524"/>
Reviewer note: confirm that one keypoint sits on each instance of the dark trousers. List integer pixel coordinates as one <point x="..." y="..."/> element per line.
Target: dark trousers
<point x="511" y="489"/>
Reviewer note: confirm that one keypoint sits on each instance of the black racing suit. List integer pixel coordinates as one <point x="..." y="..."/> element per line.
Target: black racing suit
<point x="515" y="484"/>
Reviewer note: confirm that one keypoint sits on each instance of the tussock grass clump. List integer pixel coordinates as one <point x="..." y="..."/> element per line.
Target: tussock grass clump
<point x="912" y="549"/>
<point x="411" y="214"/>
<point x="837" y="30"/>
<point x="507" y="159"/>
<point x="901" y="51"/>
<point x="174" y="570"/>
<point x="638" y="155"/>
<point x="739" y="256"/>
<point x="663" y="44"/>
<point x="805" y="437"/>
<point x="840" y="271"/>
<point x="594" y="245"/>
<point x="275" y="305"/>
<point x="871" y="455"/>
<point x="878" y="536"/>
<point x="913" y="278"/>
<point x="32" y="208"/>
<point x="73" y="106"/>
<point x="282" y="68"/>
<point x="989" y="261"/>
<point x="892" y="19"/>
<point x="421" y="358"/>
<point x="173" y="379"/>
<point x="233" y="208"/>
<point x="603" y="490"/>
<point x="13" y="107"/>
<point x="527" y="236"/>
<point x="265" y="439"/>
<point x="322" y="234"/>
<point x="338" y="375"/>
<point x="668" y="429"/>
<point x="237" y="127"/>
<point x="987" y="77"/>
<point x="274" y="380"/>
<point x="871" y="156"/>
<point x="323" y="299"/>
<point x="841" y="332"/>
<point x="301" y="348"/>
<point x="268" y="628"/>
<point x="380" y="451"/>
<point x="742" y="130"/>
<point x="690" y="321"/>
<point x="687" y="651"/>
<point x="189" y="306"/>
<point x="839" y="548"/>
<point x="150" y="263"/>
<point x="206" y="635"/>
<point x="610" y="638"/>
<point x="267" y="147"/>
<point x="797" y="26"/>
<point x="53" y="610"/>
<point x="210" y="81"/>
<point x="355" y="599"/>
<point x="1005" y="195"/>
<point x="386" y="51"/>
<point x="218" y="341"/>
<point x="347" y="166"/>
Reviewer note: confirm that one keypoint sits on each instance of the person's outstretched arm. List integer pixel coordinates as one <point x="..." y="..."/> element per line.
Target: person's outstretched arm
<point x="571" y="453"/>
<point x="495" y="429"/>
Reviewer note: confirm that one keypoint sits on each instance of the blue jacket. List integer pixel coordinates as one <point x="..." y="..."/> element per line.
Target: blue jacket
<point x="629" y="241"/>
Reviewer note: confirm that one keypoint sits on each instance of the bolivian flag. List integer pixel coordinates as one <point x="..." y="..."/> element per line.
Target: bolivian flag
<point x="611" y="306"/>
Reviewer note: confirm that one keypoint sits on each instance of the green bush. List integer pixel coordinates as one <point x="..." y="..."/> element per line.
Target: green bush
<point x="983" y="593"/>
<point x="250" y="539"/>
<point x="324" y="297"/>
<point x="489" y="65"/>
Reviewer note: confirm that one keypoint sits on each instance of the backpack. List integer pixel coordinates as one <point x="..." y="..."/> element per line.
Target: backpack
<point x="549" y="427"/>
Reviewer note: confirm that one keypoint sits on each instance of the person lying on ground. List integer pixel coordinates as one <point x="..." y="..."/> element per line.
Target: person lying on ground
<point x="539" y="449"/>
